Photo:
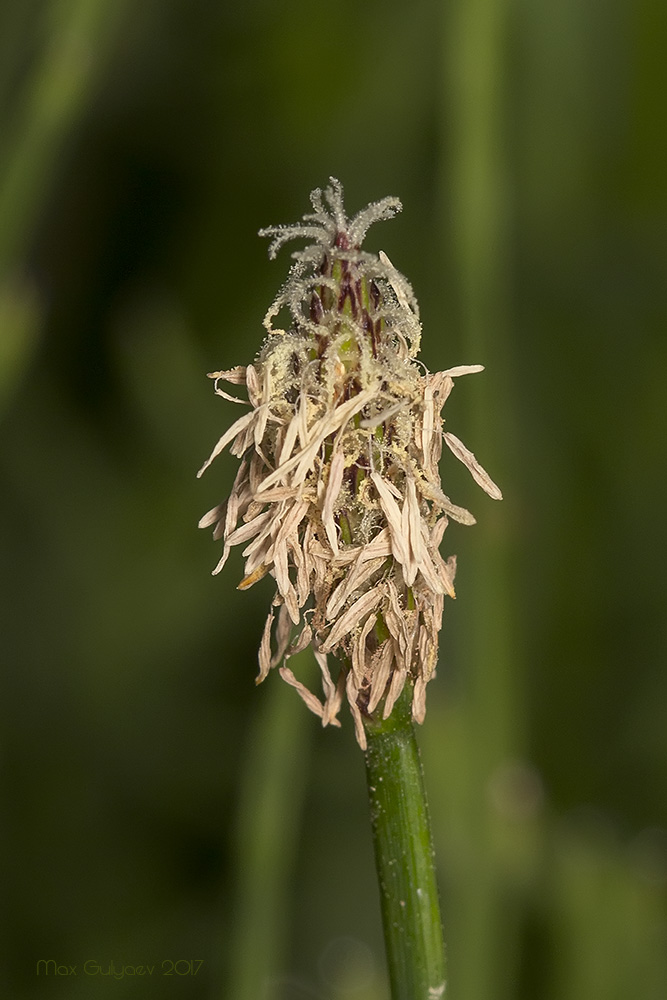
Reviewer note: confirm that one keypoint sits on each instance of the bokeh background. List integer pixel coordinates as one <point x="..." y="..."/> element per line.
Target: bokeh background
<point x="158" y="809"/>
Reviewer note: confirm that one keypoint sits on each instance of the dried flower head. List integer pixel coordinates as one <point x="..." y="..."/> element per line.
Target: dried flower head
<point x="338" y="495"/>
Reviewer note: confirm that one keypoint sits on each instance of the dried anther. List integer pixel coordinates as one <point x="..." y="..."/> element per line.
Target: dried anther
<point x="338" y="494"/>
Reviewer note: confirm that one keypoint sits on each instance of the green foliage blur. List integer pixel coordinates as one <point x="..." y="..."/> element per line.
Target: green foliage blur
<point x="161" y="812"/>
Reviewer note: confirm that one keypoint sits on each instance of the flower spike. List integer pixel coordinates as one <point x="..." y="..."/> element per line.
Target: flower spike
<point x="338" y="496"/>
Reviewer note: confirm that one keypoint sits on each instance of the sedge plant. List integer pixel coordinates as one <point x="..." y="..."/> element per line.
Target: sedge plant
<point x="338" y="497"/>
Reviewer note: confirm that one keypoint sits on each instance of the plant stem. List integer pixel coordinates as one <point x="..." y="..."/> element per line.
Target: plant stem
<point x="79" y="37"/>
<point x="404" y="857"/>
<point x="271" y="803"/>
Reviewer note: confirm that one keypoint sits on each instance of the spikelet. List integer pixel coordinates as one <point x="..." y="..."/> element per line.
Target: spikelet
<point x="338" y="496"/>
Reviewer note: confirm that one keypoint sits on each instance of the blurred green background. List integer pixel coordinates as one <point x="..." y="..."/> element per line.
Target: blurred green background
<point x="158" y="809"/>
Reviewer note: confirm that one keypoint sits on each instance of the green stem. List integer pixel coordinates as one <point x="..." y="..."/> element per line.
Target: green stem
<point x="404" y="857"/>
<point x="79" y="38"/>
<point x="273" y="786"/>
